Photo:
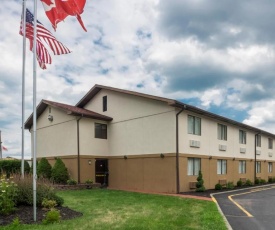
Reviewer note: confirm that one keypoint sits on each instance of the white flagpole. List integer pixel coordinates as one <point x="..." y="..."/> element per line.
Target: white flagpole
<point x="0" y="146"/>
<point x="34" y="109"/>
<point x="23" y="87"/>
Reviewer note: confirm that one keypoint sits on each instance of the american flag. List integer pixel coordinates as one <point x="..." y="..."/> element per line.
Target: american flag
<point x="4" y="148"/>
<point x="43" y="55"/>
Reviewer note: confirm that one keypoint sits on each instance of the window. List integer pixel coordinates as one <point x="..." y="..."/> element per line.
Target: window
<point x="258" y="140"/>
<point x="270" y="167"/>
<point x="194" y="166"/>
<point x="104" y="100"/>
<point x="222" y="132"/>
<point x="100" y="131"/>
<point x="242" y="137"/>
<point x="221" y="166"/>
<point x="194" y="125"/>
<point x="258" y="167"/>
<point x="242" y="167"/>
<point x="270" y="143"/>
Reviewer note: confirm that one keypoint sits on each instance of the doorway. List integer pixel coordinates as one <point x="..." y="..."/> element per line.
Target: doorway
<point x="101" y="171"/>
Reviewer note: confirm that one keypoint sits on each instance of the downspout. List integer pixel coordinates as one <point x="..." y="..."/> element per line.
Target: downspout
<point x="78" y="150"/>
<point x="255" y="157"/>
<point x="177" y="150"/>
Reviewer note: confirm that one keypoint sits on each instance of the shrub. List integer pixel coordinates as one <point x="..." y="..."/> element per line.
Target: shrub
<point x="71" y="182"/>
<point x="44" y="169"/>
<point x="200" y="182"/>
<point x="248" y="182"/>
<point x="273" y="179"/>
<point x="257" y="181"/>
<point x="13" y="166"/>
<point x="43" y="190"/>
<point x="52" y="216"/>
<point x="262" y="181"/>
<point x="60" y="173"/>
<point x="48" y="204"/>
<point x="89" y="181"/>
<point x="239" y="183"/>
<point x="270" y="180"/>
<point x="218" y="187"/>
<point x="230" y="185"/>
<point x="8" y="194"/>
<point x="15" y="223"/>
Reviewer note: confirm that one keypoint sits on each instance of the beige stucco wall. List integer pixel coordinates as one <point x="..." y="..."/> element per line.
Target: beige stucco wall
<point x="209" y="143"/>
<point x="56" y="138"/>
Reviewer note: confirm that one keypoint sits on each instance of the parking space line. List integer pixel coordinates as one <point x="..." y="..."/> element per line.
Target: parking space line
<point x="251" y="191"/>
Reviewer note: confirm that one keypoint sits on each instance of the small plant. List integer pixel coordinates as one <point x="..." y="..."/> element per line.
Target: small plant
<point x="15" y="223"/>
<point x="44" y="169"/>
<point x="89" y="181"/>
<point x="218" y="186"/>
<point x="48" y="204"/>
<point x="273" y="179"/>
<point x="8" y="194"/>
<point x="239" y="183"/>
<point x="71" y="182"/>
<point x="52" y="216"/>
<point x="230" y="185"/>
<point x="200" y="182"/>
<point x="262" y="181"/>
<point x="257" y="181"/>
<point x="248" y="182"/>
<point x="270" y="180"/>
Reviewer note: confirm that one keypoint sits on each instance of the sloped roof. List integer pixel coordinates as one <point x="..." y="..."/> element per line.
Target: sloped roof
<point x="69" y="109"/>
<point x="174" y="103"/>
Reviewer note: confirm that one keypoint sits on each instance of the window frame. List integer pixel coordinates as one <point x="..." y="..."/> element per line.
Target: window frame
<point x="258" y="140"/>
<point x="270" y="143"/>
<point x="242" y="167"/>
<point x="193" y="123"/>
<point x="100" y="133"/>
<point x="258" y="166"/>
<point x="221" y="167"/>
<point x="242" y="137"/>
<point x="222" y="132"/>
<point x="104" y="103"/>
<point x="194" y="169"/>
<point x="270" y="167"/>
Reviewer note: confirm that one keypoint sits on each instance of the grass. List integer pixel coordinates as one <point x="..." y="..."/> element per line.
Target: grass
<point x="107" y="209"/>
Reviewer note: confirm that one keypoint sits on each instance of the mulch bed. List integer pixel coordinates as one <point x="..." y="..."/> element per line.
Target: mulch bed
<point x="25" y="215"/>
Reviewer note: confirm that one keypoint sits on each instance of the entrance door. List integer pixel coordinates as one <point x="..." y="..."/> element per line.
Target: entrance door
<point x="101" y="171"/>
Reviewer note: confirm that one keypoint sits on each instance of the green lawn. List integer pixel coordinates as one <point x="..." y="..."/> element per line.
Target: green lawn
<point x="107" y="209"/>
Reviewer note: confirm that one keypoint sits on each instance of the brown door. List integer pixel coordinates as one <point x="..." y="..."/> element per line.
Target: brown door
<point x="101" y="171"/>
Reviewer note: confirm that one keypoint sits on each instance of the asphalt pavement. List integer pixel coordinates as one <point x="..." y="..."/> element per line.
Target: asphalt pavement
<point x="249" y="209"/>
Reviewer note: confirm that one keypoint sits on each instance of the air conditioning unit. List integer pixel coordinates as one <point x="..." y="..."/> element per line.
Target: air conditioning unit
<point x="194" y="143"/>
<point x="222" y="147"/>
<point x="242" y="150"/>
<point x="258" y="152"/>
<point x="270" y="154"/>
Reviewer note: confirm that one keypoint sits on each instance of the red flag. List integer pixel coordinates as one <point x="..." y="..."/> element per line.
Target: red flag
<point x="4" y="148"/>
<point x="58" y="10"/>
<point x="43" y="56"/>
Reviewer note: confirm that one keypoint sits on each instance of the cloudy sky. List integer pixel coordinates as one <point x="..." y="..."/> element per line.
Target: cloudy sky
<point x="217" y="55"/>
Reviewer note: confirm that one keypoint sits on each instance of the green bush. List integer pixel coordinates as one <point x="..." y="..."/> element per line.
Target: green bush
<point x="262" y="181"/>
<point x="218" y="187"/>
<point x="48" y="204"/>
<point x="9" y="167"/>
<point x="60" y="173"/>
<point x="248" y="182"/>
<point x="89" y="181"/>
<point x="230" y="185"/>
<point x="8" y="194"/>
<point x="44" y="169"/>
<point x="273" y="179"/>
<point x="44" y="190"/>
<point x="239" y="183"/>
<point x="257" y="181"/>
<point x="270" y="180"/>
<point x="52" y="216"/>
<point x="71" y="182"/>
<point x="200" y="182"/>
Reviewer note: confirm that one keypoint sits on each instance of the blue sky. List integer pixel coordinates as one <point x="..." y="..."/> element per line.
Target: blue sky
<point x="218" y="56"/>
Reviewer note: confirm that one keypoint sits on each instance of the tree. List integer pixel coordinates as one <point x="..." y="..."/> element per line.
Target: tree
<point x="199" y="184"/>
<point x="60" y="172"/>
<point x="44" y="169"/>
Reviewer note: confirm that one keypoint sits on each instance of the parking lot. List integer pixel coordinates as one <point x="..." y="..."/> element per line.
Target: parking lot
<point x="249" y="209"/>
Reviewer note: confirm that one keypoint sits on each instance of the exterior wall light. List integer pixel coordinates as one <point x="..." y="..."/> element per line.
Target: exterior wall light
<point x="89" y="162"/>
<point x="125" y="157"/>
<point x="234" y="158"/>
<point x="162" y="155"/>
<point x="210" y="157"/>
<point x="50" y="117"/>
